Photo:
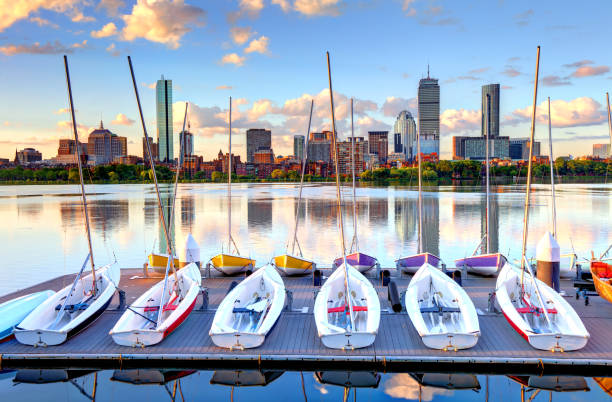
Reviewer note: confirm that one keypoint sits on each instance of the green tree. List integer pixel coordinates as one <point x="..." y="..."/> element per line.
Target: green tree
<point x="293" y="175"/>
<point x="278" y="174"/>
<point x="217" y="176"/>
<point x="429" y="175"/>
<point x="73" y="174"/>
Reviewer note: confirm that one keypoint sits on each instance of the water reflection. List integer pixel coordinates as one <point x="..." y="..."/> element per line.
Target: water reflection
<point x="125" y="223"/>
<point x="255" y="385"/>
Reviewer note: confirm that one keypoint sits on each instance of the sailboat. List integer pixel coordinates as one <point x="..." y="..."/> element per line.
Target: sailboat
<point x="487" y="263"/>
<point x="441" y="311"/>
<point x="290" y="263"/>
<point x="412" y="263"/>
<point x="347" y="309"/>
<point x="249" y="311"/>
<point x="535" y="310"/>
<point x="73" y="308"/>
<point x="360" y="261"/>
<point x="13" y="311"/>
<point x="231" y="263"/>
<point x="162" y="308"/>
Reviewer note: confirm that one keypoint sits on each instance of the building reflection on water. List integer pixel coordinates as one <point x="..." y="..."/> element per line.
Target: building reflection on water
<point x="259" y="214"/>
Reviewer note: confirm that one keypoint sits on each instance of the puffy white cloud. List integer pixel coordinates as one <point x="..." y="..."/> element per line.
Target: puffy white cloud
<point x="259" y="45"/>
<point x="240" y="35"/>
<point x="15" y="10"/>
<point x="252" y="7"/>
<point x="233" y="58"/>
<point x="283" y="4"/>
<point x="405" y="387"/>
<point x="394" y="105"/>
<point x="261" y="108"/>
<point x="78" y="16"/>
<point x="122" y="120"/>
<point x="460" y="120"/>
<point x="318" y="7"/>
<point x="161" y="21"/>
<point x="36" y="48"/>
<point x="109" y="29"/>
<point x="583" y="111"/>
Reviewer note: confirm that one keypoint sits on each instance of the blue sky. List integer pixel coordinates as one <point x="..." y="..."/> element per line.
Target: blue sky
<point x="269" y="55"/>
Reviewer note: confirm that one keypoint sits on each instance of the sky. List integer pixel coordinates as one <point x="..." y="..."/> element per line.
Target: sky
<point x="269" y="55"/>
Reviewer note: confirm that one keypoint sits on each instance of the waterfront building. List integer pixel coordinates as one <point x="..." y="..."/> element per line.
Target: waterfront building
<point x="405" y="126"/>
<point x="397" y="143"/>
<point x="474" y="148"/>
<point x="379" y="144"/>
<point x="298" y="146"/>
<point x="601" y="151"/>
<point x="165" y="138"/>
<point x="430" y="145"/>
<point x="186" y="138"/>
<point x="344" y="155"/>
<point x="493" y="91"/>
<point x="519" y="149"/>
<point x="66" y="152"/>
<point x="263" y="155"/>
<point x="223" y="162"/>
<point x="103" y="146"/>
<point x="256" y="139"/>
<point x="429" y="111"/>
<point x="27" y="155"/>
<point x="154" y="150"/>
<point x="319" y="147"/>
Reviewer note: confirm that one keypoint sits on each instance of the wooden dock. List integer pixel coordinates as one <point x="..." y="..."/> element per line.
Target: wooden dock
<point x="293" y="343"/>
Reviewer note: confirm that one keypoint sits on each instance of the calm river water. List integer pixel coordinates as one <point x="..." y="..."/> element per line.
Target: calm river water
<point x="44" y="233"/>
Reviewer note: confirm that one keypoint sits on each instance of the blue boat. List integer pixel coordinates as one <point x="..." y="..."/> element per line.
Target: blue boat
<point x="14" y="311"/>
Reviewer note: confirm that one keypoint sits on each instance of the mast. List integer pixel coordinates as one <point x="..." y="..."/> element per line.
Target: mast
<point x="420" y="199"/>
<point x="487" y="207"/>
<point x="229" y="186"/>
<point x="529" y="165"/>
<point x="339" y="197"/>
<point x="78" y="153"/>
<point x="304" y="159"/>
<point x="552" y="176"/>
<point x="609" y="124"/>
<point x="159" y="202"/>
<point x="355" y="240"/>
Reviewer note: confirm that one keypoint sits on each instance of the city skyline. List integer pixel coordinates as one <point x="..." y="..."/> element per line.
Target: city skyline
<point x="253" y="50"/>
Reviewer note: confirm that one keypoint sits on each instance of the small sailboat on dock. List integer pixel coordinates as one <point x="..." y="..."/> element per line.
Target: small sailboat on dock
<point x="601" y="271"/>
<point x="12" y="312"/>
<point x="231" y="263"/>
<point x="487" y="263"/>
<point x="441" y="311"/>
<point x="249" y="311"/>
<point x="411" y="264"/>
<point x="535" y="310"/>
<point x="290" y="263"/>
<point x="347" y="309"/>
<point x="73" y="308"/>
<point x="360" y="261"/>
<point x="162" y="308"/>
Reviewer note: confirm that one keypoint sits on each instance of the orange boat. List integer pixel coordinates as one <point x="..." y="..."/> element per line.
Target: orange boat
<point x="602" y="279"/>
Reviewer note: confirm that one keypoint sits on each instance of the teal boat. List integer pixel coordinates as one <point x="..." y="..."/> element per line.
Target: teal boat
<point x="14" y="311"/>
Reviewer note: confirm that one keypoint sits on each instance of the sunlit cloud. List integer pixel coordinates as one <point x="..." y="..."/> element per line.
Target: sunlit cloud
<point x="41" y="22"/>
<point x="233" y="58"/>
<point x="107" y="30"/>
<point x="394" y="105"/>
<point x="318" y="7"/>
<point x="240" y="35"/>
<point x="259" y="45"/>
<point x="36" y="48"/>
<point x="460" y="120"/>
<point x="583" y="111"/>
<point x="122" y="120"/>
<point x="21" y="9"/>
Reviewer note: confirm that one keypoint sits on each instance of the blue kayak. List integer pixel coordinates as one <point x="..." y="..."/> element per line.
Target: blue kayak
<point x="14" y="311"/>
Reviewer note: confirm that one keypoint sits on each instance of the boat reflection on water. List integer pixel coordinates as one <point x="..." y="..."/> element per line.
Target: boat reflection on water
<point x="149" y="377"/>
<point x="37" y="376"/>
<point x="447" y="380"/>
<point x="349" y="379"/>
<point x="244" y="378"/>
<point x="552" y="383"/>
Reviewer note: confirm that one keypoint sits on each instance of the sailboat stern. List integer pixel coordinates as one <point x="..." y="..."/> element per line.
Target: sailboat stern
<point x="40" y="337"/>
<point x="450" y="341"/>
<point x="348" y="340"/>
<point x="291" y="265"/>
<point x="229" y="264"/>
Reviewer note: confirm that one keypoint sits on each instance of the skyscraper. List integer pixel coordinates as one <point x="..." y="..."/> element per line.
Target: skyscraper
<point x="298" y="146"/>
<point x="257" y="139"/>
<point x="406" y="127"/>
<point x="379" y="144"/>
<point x="429" y="109"/>
<point x="165" y="139"/>
<point x="493" y="91"/>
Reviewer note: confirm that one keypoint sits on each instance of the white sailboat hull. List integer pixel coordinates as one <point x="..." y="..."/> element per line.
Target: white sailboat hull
<point x="441" y="311"/>
<point x="40" y="328"/>
<point x="332" y="327"/>
<point x="249" y="311"/>
<point x="134" y="330"/>
<point x="567" y="332"/>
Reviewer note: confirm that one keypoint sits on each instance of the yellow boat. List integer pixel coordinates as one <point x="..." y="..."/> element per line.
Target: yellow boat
<point x="291" y="265"/>
<point x="229" y="264"/>
<point x="602" y="279"/>
<point x="159" y="262"/>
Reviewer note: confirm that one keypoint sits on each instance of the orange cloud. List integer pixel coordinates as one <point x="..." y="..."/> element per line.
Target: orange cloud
<point x="583" y="111"/>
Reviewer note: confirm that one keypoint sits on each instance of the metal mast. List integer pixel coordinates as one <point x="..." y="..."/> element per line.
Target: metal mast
<point x="552" y="175"/>
<point x="487" y="207"/>
<point x="355" y="240"/>
<point x="78" y="153"/>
